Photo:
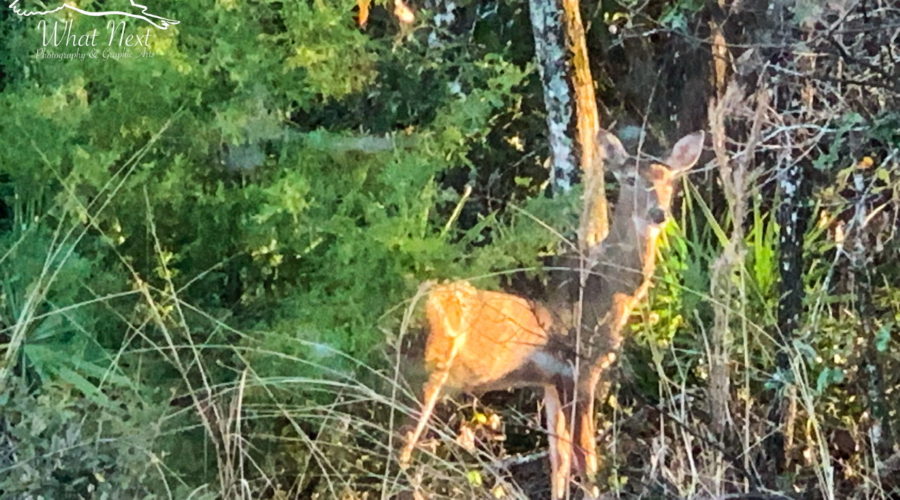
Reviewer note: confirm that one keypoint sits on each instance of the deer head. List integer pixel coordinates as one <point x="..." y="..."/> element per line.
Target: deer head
<point x="646" y="189"/>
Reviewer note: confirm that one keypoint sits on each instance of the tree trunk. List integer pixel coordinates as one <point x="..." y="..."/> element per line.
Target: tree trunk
<point x="594" y="219"/>
<point x="558" y="31"/>
<point x="791" y="218"/>
<point x="550" y="51"/>
<point x="860" y="259"/>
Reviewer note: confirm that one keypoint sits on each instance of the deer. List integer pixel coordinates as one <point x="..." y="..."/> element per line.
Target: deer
<point x="479" y="341"/>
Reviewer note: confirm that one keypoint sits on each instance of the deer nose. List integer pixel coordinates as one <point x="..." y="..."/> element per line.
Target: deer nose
<point x="657" y="215"/>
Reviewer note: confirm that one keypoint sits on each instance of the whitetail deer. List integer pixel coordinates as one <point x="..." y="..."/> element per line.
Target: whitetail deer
<point x="481" y="341"/>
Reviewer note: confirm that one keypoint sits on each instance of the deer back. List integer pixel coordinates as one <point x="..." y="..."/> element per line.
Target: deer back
<point x="482" y="337"/>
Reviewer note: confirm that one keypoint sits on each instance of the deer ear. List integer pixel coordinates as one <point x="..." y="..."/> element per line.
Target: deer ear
<point x="614" y="154"/>
<point x="686" y="152"/>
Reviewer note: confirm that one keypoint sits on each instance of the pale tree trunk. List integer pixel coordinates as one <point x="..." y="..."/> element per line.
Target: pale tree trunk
<point x="559" y="33"/>
<point x="550" y="51"/>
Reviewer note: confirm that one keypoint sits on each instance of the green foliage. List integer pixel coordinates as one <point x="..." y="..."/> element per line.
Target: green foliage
<point x="51" y="449"/>
<point x="49" y="289"/>
<point x="677" y="14"/>
<point x="845" y="124"/>
<point x="272" y="168"/>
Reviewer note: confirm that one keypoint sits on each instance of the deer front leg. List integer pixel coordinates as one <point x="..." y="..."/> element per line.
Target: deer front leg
<point x="595" y="382"/>
<point x="585" y="435"/>
<point x="560" y="443"/>
<point x="432" y="393"/>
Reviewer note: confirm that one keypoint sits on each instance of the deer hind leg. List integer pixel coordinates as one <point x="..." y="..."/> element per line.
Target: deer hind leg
<point x="560" y="443"/>
<point x="432" y="393"/>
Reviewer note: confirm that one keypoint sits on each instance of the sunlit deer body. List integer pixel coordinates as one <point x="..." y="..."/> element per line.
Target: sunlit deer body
<point x="480" y="341"/>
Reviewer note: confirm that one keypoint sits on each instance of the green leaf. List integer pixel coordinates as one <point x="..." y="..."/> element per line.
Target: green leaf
<point x="883" y="337"/>
<point x="474" y="478"/>
<point x="827" y="377"/>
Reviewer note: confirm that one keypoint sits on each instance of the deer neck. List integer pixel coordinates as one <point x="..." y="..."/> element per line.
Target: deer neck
<point x="622" y="265"/>
<point x="627" y="255"/>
